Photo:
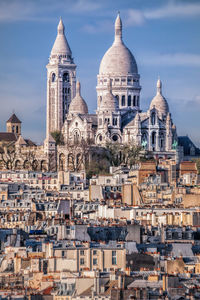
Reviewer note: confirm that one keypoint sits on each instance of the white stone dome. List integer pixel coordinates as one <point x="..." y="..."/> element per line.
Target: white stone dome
<point x="159" y="102"/>
<point x="118" y="60"/>
<point x="61" y="46"/>
<point x="78" y="104"/>
<point x="109" y="101"/>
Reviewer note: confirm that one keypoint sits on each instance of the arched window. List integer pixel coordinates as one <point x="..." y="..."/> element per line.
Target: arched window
<point x="162" y="141"/>
<point x="66" y="77"/>
<point x="153" y="118"/>
<point x="153" y="138"/>
<point x="117" y="98"/>
<point x="76" y="136"/>
<point x="123" y="100"/>
<point x="53" y="77"/>
<point x="129" y="100"/>
<point x="61" y="162"/>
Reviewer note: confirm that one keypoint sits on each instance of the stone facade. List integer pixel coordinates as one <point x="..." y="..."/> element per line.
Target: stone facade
<point x="118" y="118"/>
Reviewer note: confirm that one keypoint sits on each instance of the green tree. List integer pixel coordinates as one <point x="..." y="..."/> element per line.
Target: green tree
<point x="127" y="154"/>
<point x="58" y="137"/>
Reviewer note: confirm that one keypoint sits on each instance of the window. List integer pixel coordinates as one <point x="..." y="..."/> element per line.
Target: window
<point x="114" y="258"/>
<point x="153" y="118"/>
<point x="53" y="78"/>
<point x="82" y="261"/>
<point x="123" y="100"/>
<point x="115" y="138"/>
<point x="129" y="100"/>
<point x="82" y="252"/>
<point x="138" y="100"/>
<point x="66" y="77"/>
<point x="94" y="261"/>
<point x="63" y="253"/>
<point x="134" y="101"/>
<point x="114" y="121"/>
<point x="117" y="98"/>
<point x="94" y="252"/>
<point x="153" y="138"/>
<point x="100" y="138"/>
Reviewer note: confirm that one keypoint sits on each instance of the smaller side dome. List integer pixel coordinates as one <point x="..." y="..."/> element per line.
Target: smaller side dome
<point x="109" y="101"/>
<point x="78" y="104"/>
<point x="159" y="102"/>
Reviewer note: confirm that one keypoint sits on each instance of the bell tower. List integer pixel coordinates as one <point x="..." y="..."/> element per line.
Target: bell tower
<point x="61" y="82"/>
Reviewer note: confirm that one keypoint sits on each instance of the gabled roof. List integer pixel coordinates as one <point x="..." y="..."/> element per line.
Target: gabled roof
<point x="13" y="119"/>
<point x="7" y="137"/>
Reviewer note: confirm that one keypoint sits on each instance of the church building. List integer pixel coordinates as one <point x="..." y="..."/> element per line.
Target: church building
<point x="118" y="118"/>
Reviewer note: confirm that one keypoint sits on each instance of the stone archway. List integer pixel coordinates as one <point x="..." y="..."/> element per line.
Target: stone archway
<point x="17" y="165"/>
<point x="62" y="162"/>
<point x="43" y="166"/>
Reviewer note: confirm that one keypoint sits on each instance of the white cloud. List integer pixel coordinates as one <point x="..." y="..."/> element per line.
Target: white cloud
<point x="173" y="10"/>
<point x="31" y="10"/>
<point x="174" y="59"/>
<point x="101" y="26"/>
<point x="135" y="17"/>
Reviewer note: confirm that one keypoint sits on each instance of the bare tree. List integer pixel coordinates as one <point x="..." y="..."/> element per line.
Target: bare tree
<point x="79" y="151"/>
<point x="31" y="163"/>
<point x="8" y="155"/>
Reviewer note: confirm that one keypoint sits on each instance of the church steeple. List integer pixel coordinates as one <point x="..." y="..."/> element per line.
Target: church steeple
<point x="61" y="81"/>
<point x="61" y="46"/>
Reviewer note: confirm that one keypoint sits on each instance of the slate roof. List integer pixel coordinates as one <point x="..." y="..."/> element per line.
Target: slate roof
<point x="13" y="119"/>
<point x="186" y="143"/>
<point x="182" y="249"/>
<point x="8" y="136"/>
<point x="30" y="143"/>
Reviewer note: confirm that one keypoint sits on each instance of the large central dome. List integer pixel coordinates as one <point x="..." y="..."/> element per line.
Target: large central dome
<point x="118" y="60"/>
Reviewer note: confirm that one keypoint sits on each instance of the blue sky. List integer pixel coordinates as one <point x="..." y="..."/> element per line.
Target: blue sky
<point x="162" y="35"/>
